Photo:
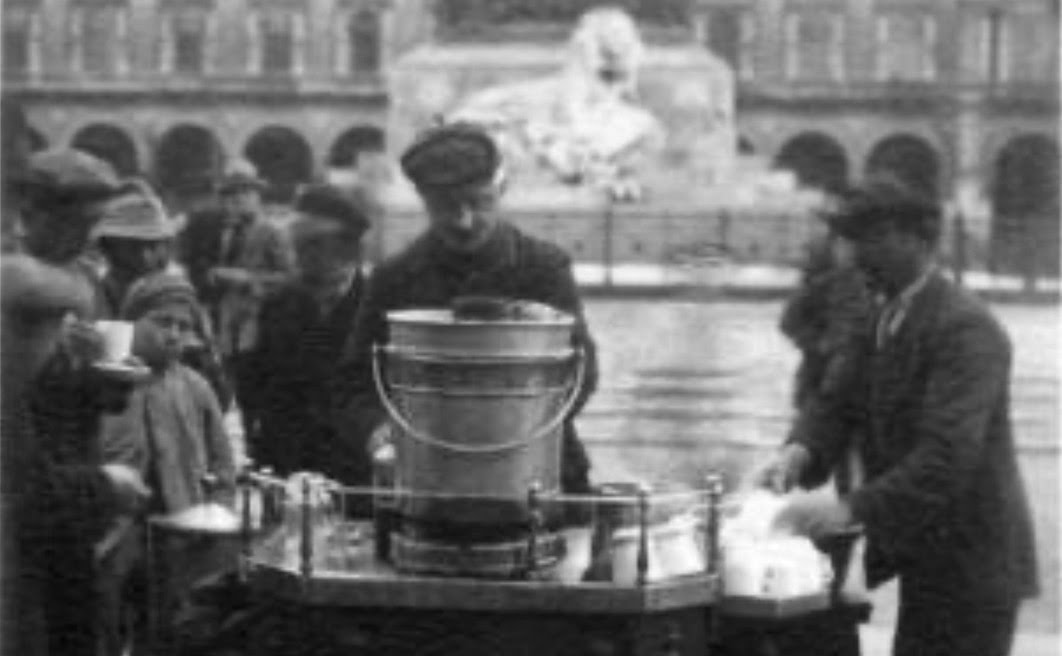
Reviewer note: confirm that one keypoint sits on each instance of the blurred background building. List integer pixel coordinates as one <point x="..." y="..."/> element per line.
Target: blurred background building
<point x="958" y="96"/>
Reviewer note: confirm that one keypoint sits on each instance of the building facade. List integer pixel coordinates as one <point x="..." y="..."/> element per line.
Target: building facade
<point x="958" y="96"/>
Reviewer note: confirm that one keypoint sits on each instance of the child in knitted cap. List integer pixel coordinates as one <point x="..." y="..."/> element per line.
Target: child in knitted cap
<point x="172" y="432"/>
<point x="176" y="415"/>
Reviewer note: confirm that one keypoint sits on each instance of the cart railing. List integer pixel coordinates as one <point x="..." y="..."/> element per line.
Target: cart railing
<point x="623" y="535"/>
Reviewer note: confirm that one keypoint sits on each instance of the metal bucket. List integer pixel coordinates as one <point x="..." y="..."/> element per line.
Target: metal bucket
<point x="479" y="421"/>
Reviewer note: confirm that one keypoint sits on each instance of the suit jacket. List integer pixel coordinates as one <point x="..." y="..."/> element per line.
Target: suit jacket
<point x="264" y="252"/>
<point x="944" y="504"/>
<point x="427" y="275"/>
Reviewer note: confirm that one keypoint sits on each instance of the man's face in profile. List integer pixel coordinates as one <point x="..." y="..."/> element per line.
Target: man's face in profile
<point x="463" y="218"/>
<point x="245" y="203"/>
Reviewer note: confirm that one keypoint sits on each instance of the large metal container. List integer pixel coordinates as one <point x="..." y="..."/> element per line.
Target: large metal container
<point x="479" y="406"/>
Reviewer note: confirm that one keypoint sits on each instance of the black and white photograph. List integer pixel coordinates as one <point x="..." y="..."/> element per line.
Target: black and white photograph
<point x="530" y="328"/>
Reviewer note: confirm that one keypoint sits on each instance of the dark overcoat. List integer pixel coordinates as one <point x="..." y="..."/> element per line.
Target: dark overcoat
<point x="944" y="506"/>
<point x="427" y="275"/>
<point x="296" y="358"/>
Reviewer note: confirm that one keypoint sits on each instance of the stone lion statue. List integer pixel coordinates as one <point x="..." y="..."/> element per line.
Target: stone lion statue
<point x="583" y="124"/>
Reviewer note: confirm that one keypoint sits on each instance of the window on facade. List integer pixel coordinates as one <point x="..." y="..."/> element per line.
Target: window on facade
<point x="364" y="38"/>
<point x="278" y="44"/>
<point x="1030" y="44"/>
<point x="815" y="46"/>
<point x="731" y="35"/>
<point x="21" y="42"/>
<point x="906" y="44"/>
<point x="99" y="39"/>
<point x="189" y="43"/>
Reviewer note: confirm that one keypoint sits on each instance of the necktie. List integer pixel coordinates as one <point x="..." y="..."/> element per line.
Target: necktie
<point x="232" y="246"/>
<point x="887" y="320"/>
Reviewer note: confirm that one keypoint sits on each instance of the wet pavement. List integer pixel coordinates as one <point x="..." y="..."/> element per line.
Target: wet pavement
<point x="691" y="386"/>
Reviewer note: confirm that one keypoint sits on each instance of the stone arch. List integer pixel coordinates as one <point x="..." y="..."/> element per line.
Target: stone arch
<point x="911" y="159"/>
<point x="1025" y="204"/>
<point x="188" y="160"/>
<point x="360" y="138"/>
<point x="283" y="158"/>
<point x="111" y="144"/>
<point x="817" y="159"/>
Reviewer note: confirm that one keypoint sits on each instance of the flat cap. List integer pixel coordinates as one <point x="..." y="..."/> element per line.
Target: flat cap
<point x="135" y="213"/>
<point x="240" y="175"/>
<point x="451" y="155"/>
<point x="329" y="201"/>
<point x="884" y="199"/>
<point x="69" y="175"/>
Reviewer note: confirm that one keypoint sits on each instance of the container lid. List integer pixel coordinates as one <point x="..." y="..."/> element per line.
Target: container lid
<point x="445" y="317"/>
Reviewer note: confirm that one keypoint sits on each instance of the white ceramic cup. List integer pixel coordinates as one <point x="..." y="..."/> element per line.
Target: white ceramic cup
<point x="117" y="339"/>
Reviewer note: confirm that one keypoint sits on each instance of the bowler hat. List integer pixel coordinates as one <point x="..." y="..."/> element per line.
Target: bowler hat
<point x="884" y="199"/>
<point x="329" y="201"/>
<point x="451" y="155"/>
<point x="240" y="175"/>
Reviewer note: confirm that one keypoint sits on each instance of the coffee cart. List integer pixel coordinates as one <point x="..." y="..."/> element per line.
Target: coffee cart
<point x="466" y="543"/>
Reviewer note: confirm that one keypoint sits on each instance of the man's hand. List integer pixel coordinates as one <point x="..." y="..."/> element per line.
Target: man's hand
<point x="129" y="489"/>
<point x="816" y="516"/>
<point x="82" y="341"/>
<point x="381" y="436"/>
<point x="230" y="276"/>
<point x="784" y="471"/>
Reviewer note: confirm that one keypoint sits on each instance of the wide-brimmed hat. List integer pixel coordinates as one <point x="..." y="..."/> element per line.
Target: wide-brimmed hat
<point x="66" y="175"/>
<point x="884" y="199"/>
<point x="135" y="213"/>
<point x="452" y="155"/>
<point x="328" y="201"/>
<point x="240" y="175"/>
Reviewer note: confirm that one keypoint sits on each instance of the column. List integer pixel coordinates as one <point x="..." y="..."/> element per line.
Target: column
<point x="770" y="40"/>
<point x="968" y="191"/>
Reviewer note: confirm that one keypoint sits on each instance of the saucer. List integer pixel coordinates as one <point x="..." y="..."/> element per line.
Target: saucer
<point x="128" y="370"/>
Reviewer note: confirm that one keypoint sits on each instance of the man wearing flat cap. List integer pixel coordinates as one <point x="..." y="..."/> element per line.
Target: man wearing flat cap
<point x="943" y="505"/>
<point x="234" y="257"/>
<point x="57" y="494"/>
<point x="465" y="251"/>
<point x="301" y="331"/>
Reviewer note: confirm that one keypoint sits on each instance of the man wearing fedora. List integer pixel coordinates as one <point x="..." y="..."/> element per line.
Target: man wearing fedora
<point x="466" y="250"/>
<point x="943" y="505"/>
<point x="234" y="258"/>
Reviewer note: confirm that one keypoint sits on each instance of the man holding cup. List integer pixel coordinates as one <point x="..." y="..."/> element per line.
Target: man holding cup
<point x="58" y="496"/>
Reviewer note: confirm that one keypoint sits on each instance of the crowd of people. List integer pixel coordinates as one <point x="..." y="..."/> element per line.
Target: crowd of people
<point x="232" y="309"/>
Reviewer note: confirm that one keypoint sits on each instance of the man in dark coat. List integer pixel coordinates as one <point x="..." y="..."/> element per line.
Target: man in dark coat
<point x="943" y="505"/>
<point x="466" y="251"/>
<point x="301" y="333"/>
<point x="57" y="496"/>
